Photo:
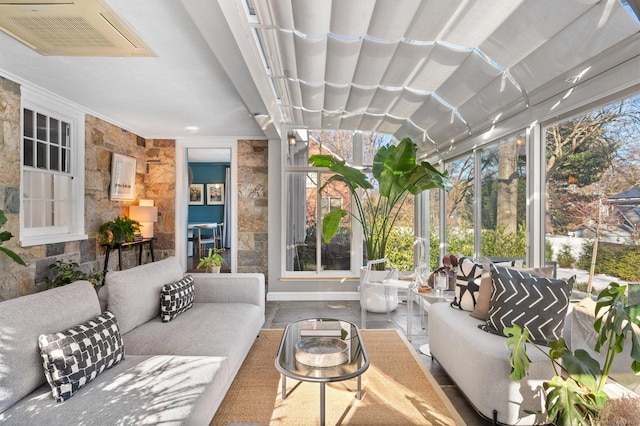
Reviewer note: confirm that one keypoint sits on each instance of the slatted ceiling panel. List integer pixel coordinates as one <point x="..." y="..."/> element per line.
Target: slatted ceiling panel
<point x="286" y="45"/>
<point x="362" y="120"/>
<point x="312" y="18"/>
<point x="431" y="18"/>
<point x="310" y="58"/>
<point x="312" y="96"/>
<point x="407" y="103"/>
<point x="351" y="18"/>
<point x="473" y="25"/>
<point x="331" y="120"/>
<point x="523" y="33"/>
<point x="313" y="120"/>
<point x="406" y="60"/>
<point x="358" y="48"/>
<point x="485" y="102"/>
<point x="391" y="18"/>
<point x="389" y="126"/>
<point x="342" y="59"/>
<point x="470" y="77"/>
<point x="335" y="97"/>
<point x="383" y="101"/>
<point x="373" y="62"/>
<point x="294" y="91"/>
<point x="359" y="99"/>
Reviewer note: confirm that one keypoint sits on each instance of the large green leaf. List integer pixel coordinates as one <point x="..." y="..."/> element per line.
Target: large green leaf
<point x="5" y="236"/>
<point x="331" y="222"/>
<point x="13" y="256"/>
<point x="355" y="176"/>
<point x="519" y="360"/>
<point x="582" y="367"/>
<point x="568" y="404"/>
<point x="3" y="218"/>
<point x="398" y="162"/>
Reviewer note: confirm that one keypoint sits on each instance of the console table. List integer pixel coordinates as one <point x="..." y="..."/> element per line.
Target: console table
<point x="120" y="246"/>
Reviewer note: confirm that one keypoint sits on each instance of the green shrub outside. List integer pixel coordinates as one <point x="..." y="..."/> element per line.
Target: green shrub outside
<point x="565" y="257"/>
<point x="618" y="260"/>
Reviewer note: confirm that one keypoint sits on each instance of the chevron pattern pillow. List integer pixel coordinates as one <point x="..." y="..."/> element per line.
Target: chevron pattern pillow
<point x="175" y="298"/>
<point x="536" y="303"/>
<point x="74" y="357"/>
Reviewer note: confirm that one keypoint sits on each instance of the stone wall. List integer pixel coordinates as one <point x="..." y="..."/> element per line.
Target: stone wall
<point x="155" y="179"/>
<point x="253" y="249"/>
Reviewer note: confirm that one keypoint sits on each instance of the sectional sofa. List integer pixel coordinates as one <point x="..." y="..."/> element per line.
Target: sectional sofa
<point x="478" y="361"/>
<point x="171" y="373"/>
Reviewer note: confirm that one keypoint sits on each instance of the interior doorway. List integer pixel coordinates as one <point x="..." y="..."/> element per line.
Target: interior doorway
<point x="209" y="205"/>
<point x="206" y="196"/>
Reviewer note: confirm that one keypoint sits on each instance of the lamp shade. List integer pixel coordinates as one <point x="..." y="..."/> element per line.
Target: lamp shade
<point x="143" y="213"/>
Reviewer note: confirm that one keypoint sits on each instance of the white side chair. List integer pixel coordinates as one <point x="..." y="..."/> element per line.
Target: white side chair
<point x="205" y="239"/>
<point x="385" y="285"/>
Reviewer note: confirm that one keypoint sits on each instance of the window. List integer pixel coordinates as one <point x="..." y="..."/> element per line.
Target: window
<point x="593" y="194"/>
<point x="52" y="171"/>
<point x="460" y="207"/>
<point x="503" y="194"/>
<point x="306" y="252"/>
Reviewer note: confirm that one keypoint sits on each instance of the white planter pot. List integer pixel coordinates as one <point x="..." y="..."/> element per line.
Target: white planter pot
<point x="378" y="299"/>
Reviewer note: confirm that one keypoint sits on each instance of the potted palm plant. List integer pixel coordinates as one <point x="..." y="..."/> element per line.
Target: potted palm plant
<point x="212" y="261"/>
<point x="377" y="207"/>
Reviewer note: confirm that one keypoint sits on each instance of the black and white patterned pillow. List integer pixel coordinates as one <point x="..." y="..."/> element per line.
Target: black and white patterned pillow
<point x="74" y="357"/>
<point x="175" y="298"/>
<point x="536" y="303"/>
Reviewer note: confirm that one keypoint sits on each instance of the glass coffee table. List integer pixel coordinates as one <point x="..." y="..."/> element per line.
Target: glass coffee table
<point x="321" y="350"/>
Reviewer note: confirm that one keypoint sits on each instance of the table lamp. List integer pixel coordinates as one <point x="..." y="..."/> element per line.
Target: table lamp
<point x="145" y="213"/>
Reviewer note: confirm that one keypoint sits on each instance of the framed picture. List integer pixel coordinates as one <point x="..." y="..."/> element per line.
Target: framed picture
<point x="123" y="177"/>
<point x="215" y="193"/>
<point x="196" y="194"/>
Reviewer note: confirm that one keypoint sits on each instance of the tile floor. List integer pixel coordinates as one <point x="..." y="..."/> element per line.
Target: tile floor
<point x="279" y="314"/>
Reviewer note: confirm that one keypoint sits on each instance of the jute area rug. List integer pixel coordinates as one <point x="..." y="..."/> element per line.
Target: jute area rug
<point x="397" y="389"/>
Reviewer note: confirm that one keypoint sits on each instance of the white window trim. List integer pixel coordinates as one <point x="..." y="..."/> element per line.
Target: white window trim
<point x="41" y="101"/>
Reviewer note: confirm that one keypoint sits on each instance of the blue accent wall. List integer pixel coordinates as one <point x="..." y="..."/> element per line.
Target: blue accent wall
<point x="207" y="173"/>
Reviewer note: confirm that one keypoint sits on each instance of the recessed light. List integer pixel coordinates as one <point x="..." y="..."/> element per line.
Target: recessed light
<point x="191" y="129"/>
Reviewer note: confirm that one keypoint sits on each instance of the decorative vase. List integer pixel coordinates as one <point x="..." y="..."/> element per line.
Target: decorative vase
<point x="379" y="299"/>
<point x="215" y="269"/>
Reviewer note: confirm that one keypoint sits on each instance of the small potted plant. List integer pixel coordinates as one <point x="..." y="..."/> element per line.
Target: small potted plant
<point x="212" y="261"/>
<point x="119" y="230"/>
<point x="67" y="272"/>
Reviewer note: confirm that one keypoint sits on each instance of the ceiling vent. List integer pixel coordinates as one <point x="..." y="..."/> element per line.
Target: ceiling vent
<point x="69" y="28"/>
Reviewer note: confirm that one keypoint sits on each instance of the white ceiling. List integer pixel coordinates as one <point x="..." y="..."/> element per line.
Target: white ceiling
<point x="184" y="85"/>
<point x="435" y="70"/>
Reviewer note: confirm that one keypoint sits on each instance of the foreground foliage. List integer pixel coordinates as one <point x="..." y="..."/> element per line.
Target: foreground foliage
<point x="576" y="393"/>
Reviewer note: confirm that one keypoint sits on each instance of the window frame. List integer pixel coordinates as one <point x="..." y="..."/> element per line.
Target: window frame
<point x="59" y="109"/>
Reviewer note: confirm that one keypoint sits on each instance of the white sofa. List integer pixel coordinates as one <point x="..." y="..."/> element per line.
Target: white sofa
<point x="173" y="373"/>
<point x="478" y="362"/>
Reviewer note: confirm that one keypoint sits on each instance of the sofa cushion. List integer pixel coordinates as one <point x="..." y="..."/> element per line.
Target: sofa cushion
<point x="151" y="390"/>
<point x="74" y="357"/>
<point x="175" y="298"/>
<point x="132" y="295"/>
<point x="536" y="303"/>
<point x="467" y="284"/>
<point x="481" y="310"/>
<point x="23" y="319"/>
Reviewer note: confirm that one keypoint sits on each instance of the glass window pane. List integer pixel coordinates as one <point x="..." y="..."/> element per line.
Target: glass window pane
<point x="301" y="221"/>
<point x="61" y="187"/>
<point x="434" y="228"/>
<point x="503" y="209"/>
<point x="459" y="210"/>
<point x="336" y="255"/>
<point x="48" y="213"/>
<point x="28" y="124"/>
<point x="65" y="132"/>
<point x="54" y="131"/>
<point x="41" y="161"/>
<point x="37" y="214"/>
<point x="593" y="170"/>
<point x="42" y="127"/>
<point x="60" y="216"/>
<point x="54" y="156"/>
<point x="28" y="157"/>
